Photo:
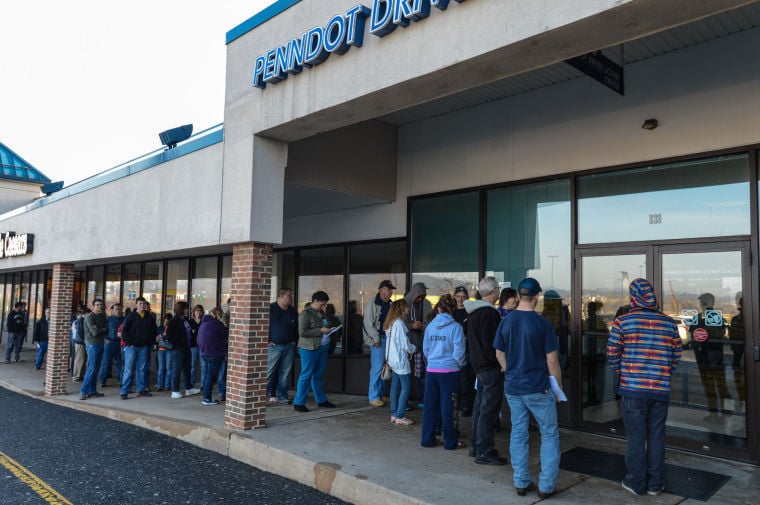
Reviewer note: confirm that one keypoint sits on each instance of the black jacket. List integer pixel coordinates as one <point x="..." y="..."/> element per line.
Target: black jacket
<point x="139" y="331"/>
<point x="16" y="322"/>
<point x="41" y="330"/>
<point x="176" y="333"/>
<point x="481" y="330"/>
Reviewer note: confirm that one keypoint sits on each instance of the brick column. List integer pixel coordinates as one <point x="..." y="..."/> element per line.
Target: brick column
<point x="249" y="333"/>
<point x="56" y="373"/>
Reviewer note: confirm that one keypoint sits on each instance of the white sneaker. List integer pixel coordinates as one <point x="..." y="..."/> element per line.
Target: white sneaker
<point x="176" y="395"/>
<point x="193" y="391"/>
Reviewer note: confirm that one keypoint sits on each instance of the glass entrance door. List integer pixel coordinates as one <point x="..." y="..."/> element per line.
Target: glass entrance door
<point x="604" y="296"/>
<point x="703" y="287"/>
<point x="704" y="293"/>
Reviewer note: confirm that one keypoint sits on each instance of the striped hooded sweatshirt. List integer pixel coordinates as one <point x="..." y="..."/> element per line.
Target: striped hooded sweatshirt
<point x="644" y="346"/>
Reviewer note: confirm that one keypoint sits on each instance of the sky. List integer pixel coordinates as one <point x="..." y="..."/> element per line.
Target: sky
<point x="86" y="85"/>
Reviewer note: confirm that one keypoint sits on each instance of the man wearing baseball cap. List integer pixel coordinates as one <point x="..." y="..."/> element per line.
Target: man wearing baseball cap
<point x="374" y="336"/>
<point x="526" y="348"/>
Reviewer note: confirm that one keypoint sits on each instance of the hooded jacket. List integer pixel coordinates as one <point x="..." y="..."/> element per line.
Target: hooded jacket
<point x="213" y="337"/>
<point x="644" y="346"/>
<point x="399" y="348"/>
<point x="417" y="311"/>
<point x="444" y="344"/>
<point x="481" y="329"/>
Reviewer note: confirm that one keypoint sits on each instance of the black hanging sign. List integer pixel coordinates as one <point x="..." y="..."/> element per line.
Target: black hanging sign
<point x="600" y="68"/>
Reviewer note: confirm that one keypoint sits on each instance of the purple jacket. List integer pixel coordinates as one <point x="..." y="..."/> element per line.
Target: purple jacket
<point x="212" y="337"/>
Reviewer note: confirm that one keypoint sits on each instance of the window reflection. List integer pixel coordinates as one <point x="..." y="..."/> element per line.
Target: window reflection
<point x="176" y="281"/>
<point x="703" y="198"/>
<point x="323" y="271"/>
<point x="204" y="283"/>
<point x="371" y="264"/>
<point x="153" y="286"/>
<point x="703" y="293"/>
<point x="94" y="283"/>
<point x="445" y="242"/>
<point x="113" y="285"/>
<point x="528" y="230"/>
<point x="226" y="285"/>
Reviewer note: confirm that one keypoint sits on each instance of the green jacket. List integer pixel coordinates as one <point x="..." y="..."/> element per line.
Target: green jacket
<point x="309" y="325"/>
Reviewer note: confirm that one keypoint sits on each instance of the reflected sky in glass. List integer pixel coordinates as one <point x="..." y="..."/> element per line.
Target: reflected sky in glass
<point x="711" y="211"/>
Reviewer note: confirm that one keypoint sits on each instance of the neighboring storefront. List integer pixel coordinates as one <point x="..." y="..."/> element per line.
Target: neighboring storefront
<point x="461" y="144"/>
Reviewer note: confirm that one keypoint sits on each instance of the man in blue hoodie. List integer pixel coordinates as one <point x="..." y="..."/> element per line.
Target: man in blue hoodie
<point x="527" y="350"/>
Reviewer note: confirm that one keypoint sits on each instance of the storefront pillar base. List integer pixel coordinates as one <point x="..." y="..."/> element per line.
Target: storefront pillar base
<point x="56" y="373"/>
<point x="249" y="332"/>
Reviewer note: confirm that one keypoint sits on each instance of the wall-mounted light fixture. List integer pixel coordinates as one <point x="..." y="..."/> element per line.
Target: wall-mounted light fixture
<point x="650" y="124"/>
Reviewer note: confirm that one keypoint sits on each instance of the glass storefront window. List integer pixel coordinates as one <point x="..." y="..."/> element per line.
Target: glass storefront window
<point x="24" y="289"/>
<point x="94" y="284"/>
<point x="33" y="309"/>
<point x="702" y="198"/>
<point x="226" y="289"/>
<point x="528" y="230"/>
<point x="369" y="265"/>
<point x="41" y="305"/>
<point x="132" y="286"/>
<point x="113" y="285"/>
<point x="153" y="286"/>
<point x="176" y="281"/>
<point x="80" y="288"/>
<point x="444" y="239"/>
<point x="204" y="283"/>
<point x="3" y="310"/>
<point x="284" y="272"/>
<point x="322" y="270"/>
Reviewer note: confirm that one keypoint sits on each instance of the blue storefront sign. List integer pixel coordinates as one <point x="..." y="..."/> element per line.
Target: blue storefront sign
<point x="340" y="33"/>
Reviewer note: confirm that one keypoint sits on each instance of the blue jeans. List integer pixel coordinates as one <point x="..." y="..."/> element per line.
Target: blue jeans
<point x="543" y="406"/>
<point x="439" y="408"/>
<point x="146" y="369"/>
<point x="194" y="360"/>
<point x="178" y="360"/>
<point x="111" y="355"/>
<point x="400" y="385"/>
<point x="211" y="365"/>
<point x="313" y="365"/>
<point x="164" y="374"/>
<point x="279" y="363"/>
<point x="485" y="410"/>
<point x="14" y="343"/>
<point x="41" y="351"/>
<point x="376" y="360"/>
<point x="222" y="380"/>
<point x="135" y="359"/>
<point x="644" y="421"/>
<point x="94" y="359"/>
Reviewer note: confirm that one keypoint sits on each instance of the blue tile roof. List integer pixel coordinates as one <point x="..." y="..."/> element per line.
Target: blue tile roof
<point x="16" y="168"/>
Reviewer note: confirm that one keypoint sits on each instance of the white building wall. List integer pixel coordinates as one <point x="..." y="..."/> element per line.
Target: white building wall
<point x="164" y="209"/>
<point x="706" y="97"/>
<point x="14" y="194"/>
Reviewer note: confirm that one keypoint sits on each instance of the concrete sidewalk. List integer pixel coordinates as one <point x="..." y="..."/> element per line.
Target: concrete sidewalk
<point x="354" y="453"/>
